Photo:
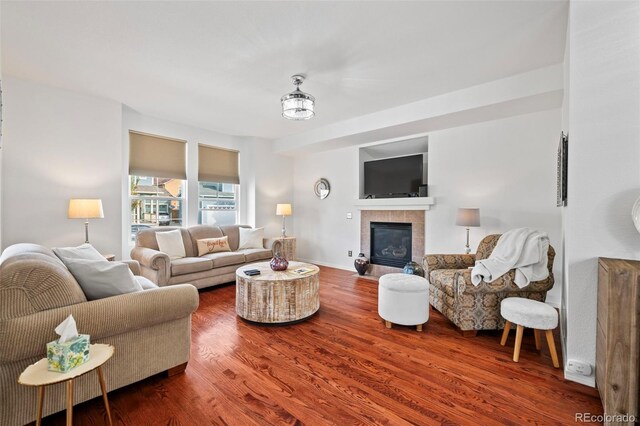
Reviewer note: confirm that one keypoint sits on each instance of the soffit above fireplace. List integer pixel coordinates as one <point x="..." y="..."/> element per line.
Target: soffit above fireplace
<point x="414" y="203"/>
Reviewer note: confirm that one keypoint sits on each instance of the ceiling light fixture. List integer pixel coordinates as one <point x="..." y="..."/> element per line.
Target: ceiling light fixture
<point x="297" y="105"/>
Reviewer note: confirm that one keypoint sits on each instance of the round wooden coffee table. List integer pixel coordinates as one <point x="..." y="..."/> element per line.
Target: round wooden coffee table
<point x="277" y="297"/>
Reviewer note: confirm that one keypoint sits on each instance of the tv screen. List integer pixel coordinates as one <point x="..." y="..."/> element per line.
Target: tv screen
<point x="393" y="176"/>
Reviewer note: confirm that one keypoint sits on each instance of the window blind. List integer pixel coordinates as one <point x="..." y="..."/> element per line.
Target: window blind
<point x="157" y="156"/>
<point x="217" y="165"/>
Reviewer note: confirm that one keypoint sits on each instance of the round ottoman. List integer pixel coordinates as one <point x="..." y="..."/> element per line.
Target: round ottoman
<point x="403" y="299"/>
<point x="531" y="314"/>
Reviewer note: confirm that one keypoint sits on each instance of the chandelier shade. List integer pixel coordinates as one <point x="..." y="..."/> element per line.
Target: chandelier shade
<point x="298" y="105"/>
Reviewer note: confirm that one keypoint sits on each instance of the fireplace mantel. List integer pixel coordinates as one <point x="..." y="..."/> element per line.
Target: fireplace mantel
<point x="414" y="203"/>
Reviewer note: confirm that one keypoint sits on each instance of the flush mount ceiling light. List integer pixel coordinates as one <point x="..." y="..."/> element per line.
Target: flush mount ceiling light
<point x="297" y="105"/>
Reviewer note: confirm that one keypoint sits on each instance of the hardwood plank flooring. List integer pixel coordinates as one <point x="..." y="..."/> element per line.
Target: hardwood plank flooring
<point x="342" y="366"/>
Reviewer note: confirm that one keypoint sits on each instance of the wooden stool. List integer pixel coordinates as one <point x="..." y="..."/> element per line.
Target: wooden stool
<point x="531" y="314"/>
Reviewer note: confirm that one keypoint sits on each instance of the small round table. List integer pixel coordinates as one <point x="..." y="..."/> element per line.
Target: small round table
<point x="38" y="375"/>
<point x="277" y="296"/>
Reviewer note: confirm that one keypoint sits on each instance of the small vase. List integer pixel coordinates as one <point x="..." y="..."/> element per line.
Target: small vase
<point x="412" y="268"/>
<point x="361" y="263"/>
<point x="278" y="262"/>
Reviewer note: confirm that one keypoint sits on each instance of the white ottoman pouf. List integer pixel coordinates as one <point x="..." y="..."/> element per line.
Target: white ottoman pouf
<point x="531" y="314"/>
<point x="403" y="299"/>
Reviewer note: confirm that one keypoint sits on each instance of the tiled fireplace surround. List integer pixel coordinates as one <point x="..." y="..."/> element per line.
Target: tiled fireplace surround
<point x="415" y="217"/>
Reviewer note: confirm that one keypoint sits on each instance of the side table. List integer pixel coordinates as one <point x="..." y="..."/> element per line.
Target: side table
<point x="288" y="246"/>
<point x="38" y="375"/>
<point x="110" y="257"/>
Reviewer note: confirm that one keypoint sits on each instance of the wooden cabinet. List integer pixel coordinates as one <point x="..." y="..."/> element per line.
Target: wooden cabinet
<point x="617" y="352"/>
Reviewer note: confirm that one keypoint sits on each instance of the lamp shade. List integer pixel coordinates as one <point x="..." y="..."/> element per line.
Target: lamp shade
<point x="468" y="217"/>
<point x="85" y="209"/>
<point x="283" y="209"/>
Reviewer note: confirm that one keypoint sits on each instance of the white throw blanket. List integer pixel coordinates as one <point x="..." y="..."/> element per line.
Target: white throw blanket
<point x="522" y="249"/>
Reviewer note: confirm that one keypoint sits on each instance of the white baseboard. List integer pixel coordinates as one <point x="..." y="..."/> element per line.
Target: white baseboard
<point x="578" y="378"/>
<point x="330" y="265"/>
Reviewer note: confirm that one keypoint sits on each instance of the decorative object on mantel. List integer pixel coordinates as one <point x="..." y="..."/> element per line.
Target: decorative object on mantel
<point x="283" y="210"/>
<point x="561" y="170"/>
<point x="278" y="262"/>
<point x="468" y="218"/>
<point x="361" y="263"/>
<point x="635" y="214"/>
<point x="85" y="209"/>
<point x="322" y="188"/>
<point x="413" y="268"/>
<point x="298" y="105"/>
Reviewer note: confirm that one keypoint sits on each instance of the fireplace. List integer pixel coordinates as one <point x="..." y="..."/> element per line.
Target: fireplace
<point x="390" y="243"/>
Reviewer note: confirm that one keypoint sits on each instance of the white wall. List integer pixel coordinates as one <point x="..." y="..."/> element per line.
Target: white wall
<point x="604" y="157"/>
<point x="132" y="120"/>
<point x="271" y="178"/>
<point x="324" y="234"/>
<point x="59" y="145"/>
<point x="265" y="177"/>
<point x="563" y="215"/>
<point x="507" y="168"/>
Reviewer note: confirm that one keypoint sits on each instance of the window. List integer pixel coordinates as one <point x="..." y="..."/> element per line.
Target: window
<point x="218" y="181"/>
<point x="155" y="202"/>
<point x="158" y="183"/>
<point x="217" y="203"/>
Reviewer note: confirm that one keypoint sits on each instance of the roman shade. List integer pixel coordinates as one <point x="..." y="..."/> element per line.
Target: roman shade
<point x="157" y="156"/>
<point x="217" y="165"/>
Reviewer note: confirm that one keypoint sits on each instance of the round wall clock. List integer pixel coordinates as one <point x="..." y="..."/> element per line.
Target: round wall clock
<point x="322" y="188"/>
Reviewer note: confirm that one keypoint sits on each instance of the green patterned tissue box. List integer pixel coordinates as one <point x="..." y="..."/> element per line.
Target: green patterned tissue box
<point x="63" y="357"/>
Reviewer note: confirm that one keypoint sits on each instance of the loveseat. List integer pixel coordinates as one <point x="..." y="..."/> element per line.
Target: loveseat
<point x="201" y="271"/>
<point x="470" y="307"/>
<point x="150" y="329"/>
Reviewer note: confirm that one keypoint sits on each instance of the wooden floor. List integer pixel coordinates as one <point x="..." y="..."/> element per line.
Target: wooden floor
<point x="342" y="366"/>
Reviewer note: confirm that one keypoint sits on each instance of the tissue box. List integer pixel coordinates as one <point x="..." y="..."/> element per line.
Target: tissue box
<point x="63" y="357"/>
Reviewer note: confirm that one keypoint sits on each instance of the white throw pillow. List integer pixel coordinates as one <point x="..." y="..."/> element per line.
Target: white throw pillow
<point x="251" y="238"/>
<point x="86" y="251"/>
<point x="170" y="242"/>
<point x="100" y="278"/>
<point x="145" y="283"/>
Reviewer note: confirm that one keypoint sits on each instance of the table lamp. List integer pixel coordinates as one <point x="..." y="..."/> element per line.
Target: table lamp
<point x="283" y="210"/>
<point x="85" y="209"/>
<point x="468" y="218"/>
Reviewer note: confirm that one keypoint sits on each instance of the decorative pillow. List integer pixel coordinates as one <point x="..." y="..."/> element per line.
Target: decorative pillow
<point x="251" y="238"/>
<point x="213" y="245"/>
<point x="145" y="283"/>
<point x="170" y="243"/>
<point x="100" y="278"/>
<point x="85" y="251"/>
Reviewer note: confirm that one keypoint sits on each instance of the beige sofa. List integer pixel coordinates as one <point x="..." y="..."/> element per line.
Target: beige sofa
<point x="150" y="329"/>
<point x="204" y="271"/>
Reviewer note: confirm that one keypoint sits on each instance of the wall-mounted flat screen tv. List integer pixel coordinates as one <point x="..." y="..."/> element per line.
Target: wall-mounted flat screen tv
<point x="393" y="177"/>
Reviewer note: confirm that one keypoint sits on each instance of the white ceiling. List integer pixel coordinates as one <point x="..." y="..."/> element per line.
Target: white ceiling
<point x="224" y="65"/>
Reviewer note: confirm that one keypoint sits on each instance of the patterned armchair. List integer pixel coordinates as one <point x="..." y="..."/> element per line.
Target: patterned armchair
<point x="474" y="308"/>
